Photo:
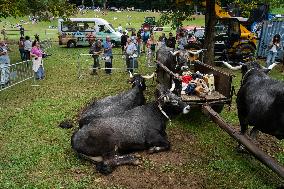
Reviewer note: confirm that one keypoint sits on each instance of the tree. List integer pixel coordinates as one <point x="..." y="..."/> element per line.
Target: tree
<point x="210" y="21"/>
<point x="16" y="8"/>
<point x="183" y="10"/>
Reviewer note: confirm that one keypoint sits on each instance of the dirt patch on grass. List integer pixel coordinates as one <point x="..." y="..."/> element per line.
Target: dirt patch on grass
<point x="162" y="170"/>
<point x="267" y="143"/>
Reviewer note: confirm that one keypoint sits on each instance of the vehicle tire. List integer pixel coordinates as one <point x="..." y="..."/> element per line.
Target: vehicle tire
<point x="71" y="44"/>
<point x="245" y="50"/>
<point x="218" y="108"/>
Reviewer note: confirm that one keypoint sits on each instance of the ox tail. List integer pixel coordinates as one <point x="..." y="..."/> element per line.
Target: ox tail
<point x="66" y="124"/>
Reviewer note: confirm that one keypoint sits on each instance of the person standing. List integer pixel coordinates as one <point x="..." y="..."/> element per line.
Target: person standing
<point x="131" y="50"/>
<point x="139" y="41"/>
<point x="4" y="64"/>
<point x="108" y="55"/>
<point x="145" y="37"/>
<point x="182" y="41"/>
<point x="37" y="37"/>
<point x="96" y="49"/>
<point x="36" y="54"/>
<point x="22" y="31"/>
<point x="171" y="41"/>
<point x="22" y="48"/>
<point x="273" y="48"/>
<point x="123" y="41"/>
<point x="151" y="47"/>
<point x="163" y="40"/>
<point x="27" y="47"/>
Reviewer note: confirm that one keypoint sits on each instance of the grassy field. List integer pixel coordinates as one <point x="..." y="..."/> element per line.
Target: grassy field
<point x="36" y="153"/>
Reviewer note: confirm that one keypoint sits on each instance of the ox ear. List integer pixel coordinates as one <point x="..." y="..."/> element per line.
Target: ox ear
<point x="244" y="68"/>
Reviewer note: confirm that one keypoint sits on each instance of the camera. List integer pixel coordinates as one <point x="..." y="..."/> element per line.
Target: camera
<point x="45" y="55"/>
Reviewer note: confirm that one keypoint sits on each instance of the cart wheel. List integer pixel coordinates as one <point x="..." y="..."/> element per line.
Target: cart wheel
<point x="218" y="108"/>
<point x="71" y="44"/>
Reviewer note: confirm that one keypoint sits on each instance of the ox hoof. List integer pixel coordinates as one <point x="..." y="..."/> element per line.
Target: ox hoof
<point x="104" y="168"/>
<point x="241" y="149"/>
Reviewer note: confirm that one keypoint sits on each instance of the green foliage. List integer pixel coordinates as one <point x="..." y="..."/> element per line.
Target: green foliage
<point x="42" y="8"/>
<point x="175" y="17"/>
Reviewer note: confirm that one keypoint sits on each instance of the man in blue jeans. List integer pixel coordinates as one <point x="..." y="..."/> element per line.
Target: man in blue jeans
<point x="4" y="64"/>
<point x="108" y="55"/>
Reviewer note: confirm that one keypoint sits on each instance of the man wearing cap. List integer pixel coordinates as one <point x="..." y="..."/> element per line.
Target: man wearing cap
<point x="96" y="49"/>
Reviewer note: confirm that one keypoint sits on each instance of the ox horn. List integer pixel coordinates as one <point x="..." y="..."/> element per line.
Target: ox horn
<point x="173" y="86"/>
<point x="130" y="75"/>
<point x="174" y="53"/>
<point x="148" y="76"/>
<point x="271" y="66"/>
<point x="231" y="67"/>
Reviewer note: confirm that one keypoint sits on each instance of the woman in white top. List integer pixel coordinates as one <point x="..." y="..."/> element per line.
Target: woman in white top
<point x="273" y="47"/>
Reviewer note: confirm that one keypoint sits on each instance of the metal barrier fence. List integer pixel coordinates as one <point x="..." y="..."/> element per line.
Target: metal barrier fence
<point x="86" y="64"/>
<point x="14" y="74"/>
<point x="45" y="44"/>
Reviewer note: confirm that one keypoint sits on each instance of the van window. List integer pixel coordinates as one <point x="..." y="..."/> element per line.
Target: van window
<point x="102" y="28"/>
<point x="69" y="26"/>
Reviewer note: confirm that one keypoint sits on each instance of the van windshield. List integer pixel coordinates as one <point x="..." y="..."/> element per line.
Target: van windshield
<point x="111" y="27"/>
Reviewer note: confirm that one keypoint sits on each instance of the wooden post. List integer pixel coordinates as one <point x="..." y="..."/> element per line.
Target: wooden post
<point x="251" y="147"/>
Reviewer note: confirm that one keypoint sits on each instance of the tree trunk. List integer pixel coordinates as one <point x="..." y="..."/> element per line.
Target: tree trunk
<point x="210" y="21"/>
<point x="104" y="4"/>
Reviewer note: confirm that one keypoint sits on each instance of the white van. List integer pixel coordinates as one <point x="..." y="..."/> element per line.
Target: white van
<point x="78" y="31"/>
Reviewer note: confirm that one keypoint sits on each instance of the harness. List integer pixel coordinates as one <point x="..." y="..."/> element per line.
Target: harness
<point x="242" y="82"/>
<point x="162" y="111"/>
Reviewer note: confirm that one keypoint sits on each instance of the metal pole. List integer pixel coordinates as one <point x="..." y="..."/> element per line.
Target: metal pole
<point x="251" y="147"/>
<point x="79" y="66"/>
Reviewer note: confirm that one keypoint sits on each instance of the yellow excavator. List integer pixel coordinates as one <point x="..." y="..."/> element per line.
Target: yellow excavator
<point x="231" y="36"/>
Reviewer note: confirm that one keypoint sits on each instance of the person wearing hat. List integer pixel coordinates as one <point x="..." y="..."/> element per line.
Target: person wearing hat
<point x="96" y="50"/>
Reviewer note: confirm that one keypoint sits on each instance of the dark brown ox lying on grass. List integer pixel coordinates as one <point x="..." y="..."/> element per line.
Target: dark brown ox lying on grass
<point x="114" y="105"/>
<point x="106" y="141"/>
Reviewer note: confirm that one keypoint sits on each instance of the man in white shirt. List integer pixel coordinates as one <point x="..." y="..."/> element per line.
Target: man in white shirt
<point x="131" y="49"/>
<point x="27" y="47"/>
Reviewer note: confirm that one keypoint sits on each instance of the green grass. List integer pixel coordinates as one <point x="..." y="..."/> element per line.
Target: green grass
<point x="36" y="153"/>
<point x="42" y="28"/>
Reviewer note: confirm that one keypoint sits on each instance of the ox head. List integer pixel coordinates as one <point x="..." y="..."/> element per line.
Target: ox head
<point x="139" y="80"/>
<point x="170" y="103"/>
<point x="182" y="57"/>
<point x="249" y="66"/>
